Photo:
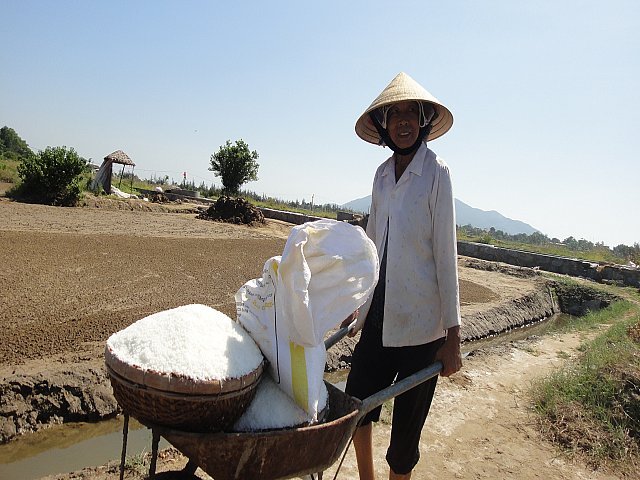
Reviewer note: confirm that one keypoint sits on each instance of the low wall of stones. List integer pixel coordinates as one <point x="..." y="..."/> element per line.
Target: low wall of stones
<point x="616" y="274"/>
<point x="289" y="217"/>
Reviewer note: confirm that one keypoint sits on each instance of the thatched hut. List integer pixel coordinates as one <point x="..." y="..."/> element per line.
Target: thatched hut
<point x="103" y="177"/>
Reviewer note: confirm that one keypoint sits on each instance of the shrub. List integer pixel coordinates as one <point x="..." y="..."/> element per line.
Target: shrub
<point x="52" y="176"/>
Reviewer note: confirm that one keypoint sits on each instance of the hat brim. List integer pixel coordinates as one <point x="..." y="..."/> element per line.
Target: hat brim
<point x="403" y="88"/>
<point x="441" y="125"/>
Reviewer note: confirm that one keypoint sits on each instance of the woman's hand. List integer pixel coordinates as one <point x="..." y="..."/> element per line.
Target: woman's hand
<point x="449" y="353"/>
<point x="348" y="321"/>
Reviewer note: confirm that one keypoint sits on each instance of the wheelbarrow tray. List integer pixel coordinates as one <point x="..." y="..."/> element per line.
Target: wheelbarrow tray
<point x="282" y="453"/>
<point x="273" y="454"/>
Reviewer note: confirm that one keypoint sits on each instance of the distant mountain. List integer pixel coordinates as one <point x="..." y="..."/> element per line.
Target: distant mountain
<point x="465" y="215"/>
<point x="359" y="204"/>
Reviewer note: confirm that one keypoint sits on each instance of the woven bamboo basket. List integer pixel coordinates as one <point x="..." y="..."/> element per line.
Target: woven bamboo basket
<point x="180" y="402"/>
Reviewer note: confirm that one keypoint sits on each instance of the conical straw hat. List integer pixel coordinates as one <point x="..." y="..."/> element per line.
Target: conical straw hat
<point x="401" y="88"/>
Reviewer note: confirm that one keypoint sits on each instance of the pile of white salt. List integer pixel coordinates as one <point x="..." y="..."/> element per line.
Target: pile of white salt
<point x="272" y="409"/>
<point x="195" y="341"/>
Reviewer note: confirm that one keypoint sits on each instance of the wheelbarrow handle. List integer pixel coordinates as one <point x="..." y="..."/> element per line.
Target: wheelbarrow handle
<point x="338" y="335"/>
<point x="400" y="387"/>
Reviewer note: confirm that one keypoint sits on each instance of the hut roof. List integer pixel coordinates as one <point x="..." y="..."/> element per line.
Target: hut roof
<point x="120" y="157"/>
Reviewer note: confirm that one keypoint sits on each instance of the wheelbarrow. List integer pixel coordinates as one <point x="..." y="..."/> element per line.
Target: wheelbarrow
<point x="282" y="453"/>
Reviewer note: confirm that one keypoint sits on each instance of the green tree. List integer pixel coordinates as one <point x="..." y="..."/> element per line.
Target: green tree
<point x="52" y="176"/>
<point x="235" y="164"/>
<point x="12" y="146"/>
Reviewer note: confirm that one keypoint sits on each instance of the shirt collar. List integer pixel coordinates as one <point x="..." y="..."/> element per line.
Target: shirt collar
<point x="416" y="165"/>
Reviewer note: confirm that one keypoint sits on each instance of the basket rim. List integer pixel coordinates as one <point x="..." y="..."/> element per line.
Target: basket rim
<point x="177" y="383"/>
<point x="197" y="397"/>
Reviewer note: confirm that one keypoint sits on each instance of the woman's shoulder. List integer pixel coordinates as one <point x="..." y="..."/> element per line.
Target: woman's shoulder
<point x="436" y="162"/>
<point x="385" y="167"/>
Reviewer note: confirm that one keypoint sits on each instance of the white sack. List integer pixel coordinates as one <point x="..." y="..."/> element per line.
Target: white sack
<point x="119" y="193"/>
<point x="327" y="270"/>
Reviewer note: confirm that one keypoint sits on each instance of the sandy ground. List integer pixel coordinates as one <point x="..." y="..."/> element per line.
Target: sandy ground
<point x="76" y="275"/>
<point x="72" y="276"/>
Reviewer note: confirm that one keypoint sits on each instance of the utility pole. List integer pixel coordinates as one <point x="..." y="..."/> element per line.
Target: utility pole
<point x="312" y="195"/>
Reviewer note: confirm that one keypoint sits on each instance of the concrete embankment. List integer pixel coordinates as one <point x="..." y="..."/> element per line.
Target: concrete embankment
<point x="289" y="217"/>
<point x="615" y="274"/>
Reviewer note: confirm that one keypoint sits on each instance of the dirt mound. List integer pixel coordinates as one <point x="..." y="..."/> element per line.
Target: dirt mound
<point x="233" y="210"/>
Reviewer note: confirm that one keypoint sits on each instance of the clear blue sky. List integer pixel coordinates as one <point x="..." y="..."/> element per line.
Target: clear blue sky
<point x="545" y="95"/>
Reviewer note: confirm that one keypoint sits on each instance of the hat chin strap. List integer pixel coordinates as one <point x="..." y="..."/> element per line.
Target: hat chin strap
<point x="386" y="139"/>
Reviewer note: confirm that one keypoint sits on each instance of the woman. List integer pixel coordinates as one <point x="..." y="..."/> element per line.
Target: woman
<point x="413" y="317"/>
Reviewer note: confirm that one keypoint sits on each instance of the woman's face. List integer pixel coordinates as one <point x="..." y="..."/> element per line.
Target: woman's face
<point x="403" y="123"/>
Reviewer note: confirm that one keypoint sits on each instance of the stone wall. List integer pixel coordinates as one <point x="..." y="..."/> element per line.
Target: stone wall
<point x="289" y="217"/>
<point x="568" y="266"/>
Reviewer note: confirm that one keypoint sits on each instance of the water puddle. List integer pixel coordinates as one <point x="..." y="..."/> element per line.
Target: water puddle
<point x="74" y="446"/>
<point x="71" y="447"/>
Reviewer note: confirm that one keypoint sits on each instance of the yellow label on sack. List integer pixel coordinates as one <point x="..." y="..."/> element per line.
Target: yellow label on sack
<point x="299" y="375"/>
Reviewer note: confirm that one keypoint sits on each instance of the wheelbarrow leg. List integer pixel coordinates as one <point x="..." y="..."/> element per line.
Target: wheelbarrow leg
<point x="154" y="453"/>
<point x="123" y="456"/>
<point x="190" y="468"/>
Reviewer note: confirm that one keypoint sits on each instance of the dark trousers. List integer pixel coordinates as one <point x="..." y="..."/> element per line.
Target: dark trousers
<point x="375" y="367"/>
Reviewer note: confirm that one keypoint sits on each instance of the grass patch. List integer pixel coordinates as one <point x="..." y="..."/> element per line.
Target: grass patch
<point x="594" y="320"/>
<point x="9" y="170"/>
<point x="592" y="406"/>
<point x="137" y="463"/>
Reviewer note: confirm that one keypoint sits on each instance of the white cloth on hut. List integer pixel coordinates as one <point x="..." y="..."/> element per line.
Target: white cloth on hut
<point x="326" y="271"/>
<point x="103" y="176"/>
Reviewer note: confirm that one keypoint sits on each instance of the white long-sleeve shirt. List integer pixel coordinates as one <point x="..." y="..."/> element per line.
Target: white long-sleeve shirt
<point x="422" y="296"/>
